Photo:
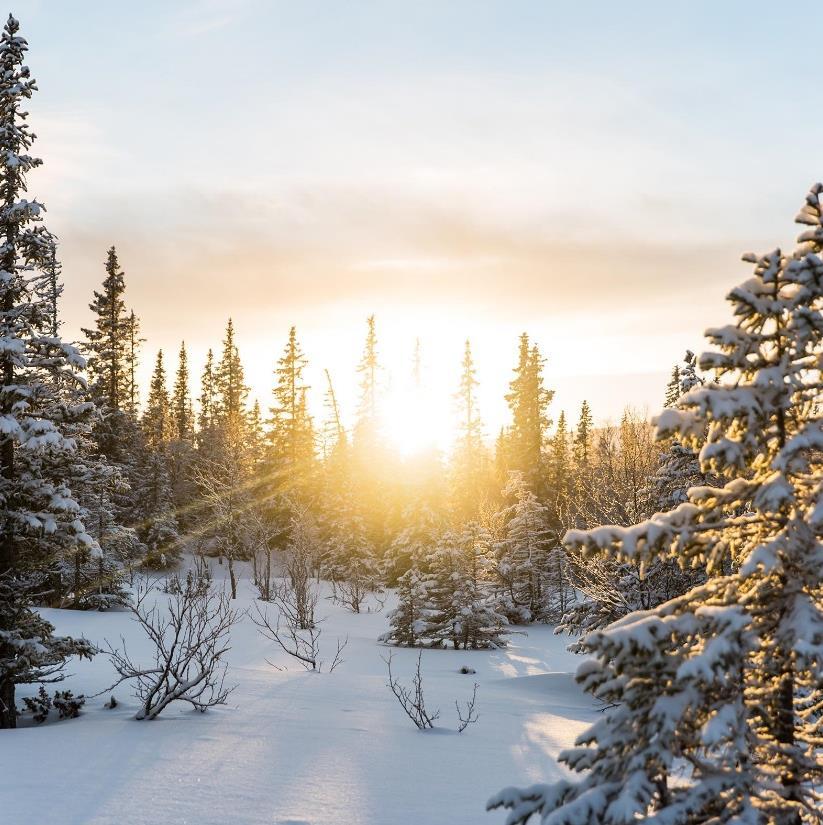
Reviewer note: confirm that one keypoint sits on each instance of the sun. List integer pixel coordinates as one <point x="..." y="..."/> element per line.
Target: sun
<point x="410" y="423"/>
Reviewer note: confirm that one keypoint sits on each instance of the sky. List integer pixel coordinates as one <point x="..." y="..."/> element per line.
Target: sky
<point x="587" y="172"/>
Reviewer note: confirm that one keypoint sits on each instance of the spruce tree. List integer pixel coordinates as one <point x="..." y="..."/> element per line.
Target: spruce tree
<point x="159" y="524"/>
<point x="470" y="460"/>
<point x="523" y="553"/>
<point x="291" y="433"/>
<point x="560" y="462"/>
<point x="207" y="414"/>
<point x="134" y="343"/>
<point x="716" y="694"/>
<point x="369" y="471"/>
<point x="582" y="447"/>
<point x="673" y="391"/>
<point x="231" y="395"/>
<point x="408" y="621"/>
<point x="334" y="436"/>
<point x="38" y="512"/>
<point x="368" y="368"/>
<point x="108" y="342"/>
<point x="460" y="608"/>
<point x="181" y="452"/>
<point x="524" y="441"/>
<point x="181" y="406"/>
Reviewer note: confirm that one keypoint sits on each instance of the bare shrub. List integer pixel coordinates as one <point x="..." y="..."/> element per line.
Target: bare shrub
<point x="413" y="701"/>
<point x="301" y="643"/>
<point x="190" y="636"/>
<point x="471" y="715"/>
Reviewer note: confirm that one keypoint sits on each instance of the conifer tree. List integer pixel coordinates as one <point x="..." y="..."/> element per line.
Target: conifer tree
<point x="107" y="341"/>
<point x="560" y="463"/>
<point x="159" y="525"/>
<point x="334" y="433"/>
<point x="369" y="476"/>
<point x="470" y="461"/>
<point x="420" y="528"/>
<point x="256" y="434"/>
<point x="366" y="427"/>
<point x="181" y="453"/>
<point x="181" y="406"/>
<point x="350" y="559"/>
<point x="528" y="400"/>
<point x="54" y="271"/>
<point x="231" y="392"/>
<point x="673" y="391"/>
<point x="726" y="680"/>
<point x="132" y="403"/>
<point x="207" y="414"/>
<point x="158" y="420"/>
<point x="583" y="440"/>
<point x="291" y="433"/>
<point x="460" y="608"/>
<point x="408" y="621"/>
<point x="38" y="513"/>
<point x="522" y="555"/>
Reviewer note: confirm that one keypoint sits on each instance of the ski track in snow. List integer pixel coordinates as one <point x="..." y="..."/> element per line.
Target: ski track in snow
<point x="298" y="748"/>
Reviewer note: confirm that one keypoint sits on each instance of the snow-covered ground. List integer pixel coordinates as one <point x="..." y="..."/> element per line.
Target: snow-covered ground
<point x="298" y="748"/>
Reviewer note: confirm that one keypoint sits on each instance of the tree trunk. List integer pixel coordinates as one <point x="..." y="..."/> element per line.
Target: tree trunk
<point x="232" y="577"/>
<point x="8" y="713"/>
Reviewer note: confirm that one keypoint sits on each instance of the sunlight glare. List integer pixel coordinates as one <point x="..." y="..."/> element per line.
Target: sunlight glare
<point x="410" y="423"/>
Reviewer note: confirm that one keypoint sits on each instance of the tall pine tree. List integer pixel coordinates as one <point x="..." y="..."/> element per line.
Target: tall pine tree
<point x="38" y="512"/>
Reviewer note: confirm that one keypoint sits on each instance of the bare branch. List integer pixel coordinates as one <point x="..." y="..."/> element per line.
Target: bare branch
<point x="190" y="638"/>
<point x="411" y="699"/>
<point x="471" y="716"/>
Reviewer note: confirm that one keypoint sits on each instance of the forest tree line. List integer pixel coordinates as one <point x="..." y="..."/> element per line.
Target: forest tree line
<point x="472" y="540"/>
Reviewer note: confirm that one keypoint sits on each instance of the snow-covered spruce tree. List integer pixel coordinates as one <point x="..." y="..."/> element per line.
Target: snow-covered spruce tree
<point x="84" y="575"/>
<point x="461" y="610"/>
<point x="523" y="554"/>
<point x="38" y="512"/>
<point x="718" y="692"/>
<point x="407" y="622"/>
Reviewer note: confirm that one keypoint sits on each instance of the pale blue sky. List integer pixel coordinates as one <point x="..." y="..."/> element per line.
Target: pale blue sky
<point x="587" y="171"/>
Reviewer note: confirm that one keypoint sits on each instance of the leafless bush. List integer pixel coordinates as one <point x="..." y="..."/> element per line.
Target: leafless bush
<point x="190" y="635"/>
<point x="353" y="585"/>
<point x="471" y="715"/>
<point x="302" y="644"/>
<point x="411" y="699"/>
